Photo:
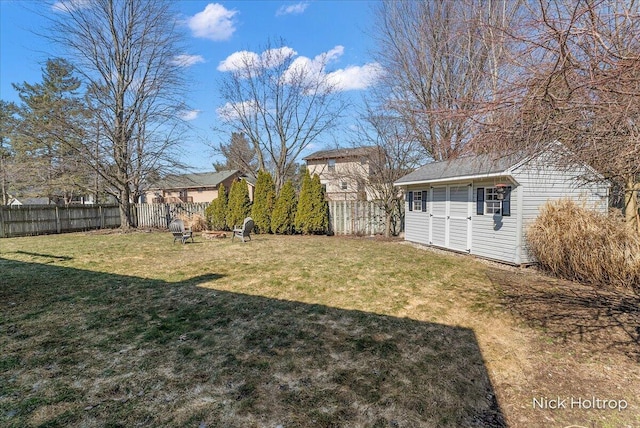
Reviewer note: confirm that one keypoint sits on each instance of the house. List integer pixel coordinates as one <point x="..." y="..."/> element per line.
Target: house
<point x="482" y="206"/>
<point x="343" y="172"/>
<point x="196" y="187"/>
<point x="14" y="202"/>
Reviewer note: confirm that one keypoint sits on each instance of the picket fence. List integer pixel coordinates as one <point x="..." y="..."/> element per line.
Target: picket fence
<point x="345" y="217"/>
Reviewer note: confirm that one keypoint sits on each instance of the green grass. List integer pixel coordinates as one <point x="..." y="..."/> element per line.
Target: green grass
<point x="130" y="330"/>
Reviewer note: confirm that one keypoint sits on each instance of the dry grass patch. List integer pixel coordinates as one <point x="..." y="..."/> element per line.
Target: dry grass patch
<point x="126" y="330"/>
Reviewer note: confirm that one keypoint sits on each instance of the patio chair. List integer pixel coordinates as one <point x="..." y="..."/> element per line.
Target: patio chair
<point x="179" y="231"/>
<point x="244" y="231"/>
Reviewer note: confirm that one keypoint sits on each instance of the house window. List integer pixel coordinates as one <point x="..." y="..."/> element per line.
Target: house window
<point x="417" y="201"/>
<point x="331" y="165"/>
<point x="343" y="185"/>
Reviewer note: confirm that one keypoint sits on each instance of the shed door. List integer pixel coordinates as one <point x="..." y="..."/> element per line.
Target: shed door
<point x="459" y="218"/>
<point x="439" y="216"/>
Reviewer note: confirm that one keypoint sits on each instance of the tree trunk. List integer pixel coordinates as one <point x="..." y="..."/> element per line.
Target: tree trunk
<point x="125" y="210"/>
<point x="632" y="217"/>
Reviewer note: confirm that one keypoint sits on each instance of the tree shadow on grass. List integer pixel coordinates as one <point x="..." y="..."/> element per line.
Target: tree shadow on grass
<point x="91" y="348"/>
<point x="605" y="320"/>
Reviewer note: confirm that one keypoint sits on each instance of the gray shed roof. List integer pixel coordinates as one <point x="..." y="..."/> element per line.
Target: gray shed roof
<point x="200" y="179"/>
<point x="469" y="166"/>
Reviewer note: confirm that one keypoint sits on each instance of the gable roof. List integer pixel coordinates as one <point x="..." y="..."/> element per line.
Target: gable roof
<point x="341" y="153"/>
<point x="199" y="179"/>
<point x="465" y="167"/>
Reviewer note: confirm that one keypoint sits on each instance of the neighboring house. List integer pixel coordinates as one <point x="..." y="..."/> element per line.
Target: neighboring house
<point x="14" y="202"/>
<point x="343" y="172"/>
<point x="483" y="207"/>
<point x="197" y="187"/>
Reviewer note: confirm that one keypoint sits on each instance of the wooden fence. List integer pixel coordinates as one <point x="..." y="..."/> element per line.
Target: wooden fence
<point x="160" y="215"/>
<point x="345" y="217"/>
<point x="40" y="220"/>
<point x="360" y="218"/>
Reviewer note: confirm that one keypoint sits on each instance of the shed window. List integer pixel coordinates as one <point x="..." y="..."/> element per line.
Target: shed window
<point x="343" y="185"/>
<point x="331" y="165"/>
<point x="417" y="201"/>
<point x="492" y="203"/>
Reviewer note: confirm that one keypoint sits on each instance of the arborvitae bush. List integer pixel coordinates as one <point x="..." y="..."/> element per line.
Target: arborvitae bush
<point x="576" y="243"/>
<point x="312" y="214"/>
<point x="216" y="212"/>
<point x="284" y="211"/>
<point x="239" y="205"/>
<point x="263" y="202"/>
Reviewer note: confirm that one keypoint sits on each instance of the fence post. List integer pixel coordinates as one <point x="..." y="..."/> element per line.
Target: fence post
<point x="57" y="220"/>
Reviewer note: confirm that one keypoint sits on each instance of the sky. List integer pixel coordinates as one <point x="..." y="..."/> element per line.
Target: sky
<point x="216" y="34"/>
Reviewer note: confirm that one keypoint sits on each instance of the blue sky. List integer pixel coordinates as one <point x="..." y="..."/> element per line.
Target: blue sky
<point x="217" y="31"/>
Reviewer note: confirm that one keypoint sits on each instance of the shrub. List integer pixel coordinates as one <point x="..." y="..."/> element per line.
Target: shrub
<point x="195" y="222"/>
<point x="216" y="212"/>
<point x="575" y="243"/>
<point x="312" y="215"/>
<point x="263" y="202"/>
<point x="284" y="210"/>
<point x="239" y="205"/>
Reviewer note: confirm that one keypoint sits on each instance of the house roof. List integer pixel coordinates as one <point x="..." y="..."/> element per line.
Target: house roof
<point x="31" y="201"/>
<point x="465" y="167"/>
<point x="199" y="179"/>
<point x="341" y="153"/>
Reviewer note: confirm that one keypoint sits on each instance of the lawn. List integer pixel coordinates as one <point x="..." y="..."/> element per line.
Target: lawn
<point x="109" y="329"/>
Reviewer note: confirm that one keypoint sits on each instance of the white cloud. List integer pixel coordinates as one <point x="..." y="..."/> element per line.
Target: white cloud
<point x="187" y="60"/>
<point x="70" y="5"/>
<point x="215" y="22"/>
<point x="231" y="111"/>
<point x="190" y="115"/>
<point x="242" y="59"/>
<point x="303" y="66"/>
<point x="344" y="79"/>
<point x="294" y="9"/>
<point x="355" y="77"/>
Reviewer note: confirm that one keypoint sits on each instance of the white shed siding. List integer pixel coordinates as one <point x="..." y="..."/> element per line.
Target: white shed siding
<point x="439" y="216"/>
<point x="494" y="236"/>
<point x="457" y="217"/>
<point x="543" y="182"/>
<point x="416" y="222"/>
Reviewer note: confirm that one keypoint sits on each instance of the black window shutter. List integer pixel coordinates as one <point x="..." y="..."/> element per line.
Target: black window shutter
<point x="424" y="200"/>
<point x="480" y="201"/>
<point x="506" y="202"/>
<point x="410" y="201"/>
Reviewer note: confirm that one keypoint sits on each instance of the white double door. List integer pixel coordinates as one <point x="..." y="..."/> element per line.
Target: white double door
<point x="450" y="216"/>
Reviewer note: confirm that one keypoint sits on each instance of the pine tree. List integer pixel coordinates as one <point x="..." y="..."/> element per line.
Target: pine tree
<point x="263" y="202"/>
<point x="320" y="214"/>
<point x="305" y="205"/>
<point x="284" y="211"/>
<point x="313" y="212"/>
<point x="216" y="212"/>
<point x="239" y="205"/>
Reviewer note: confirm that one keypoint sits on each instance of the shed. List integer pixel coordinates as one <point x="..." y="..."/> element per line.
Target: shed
<point x="481" y="205"/>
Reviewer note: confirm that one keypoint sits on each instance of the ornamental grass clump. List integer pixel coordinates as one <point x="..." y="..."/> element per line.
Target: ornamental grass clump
<point x="573" y="242"/>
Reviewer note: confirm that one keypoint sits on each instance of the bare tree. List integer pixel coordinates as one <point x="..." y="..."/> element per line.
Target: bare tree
<point x="443" y="61"/>
<point x="127" y="54"/>
<point x="580" y="85"/>
<point x="280" y="104"/>
<point x="394" y="153"/>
